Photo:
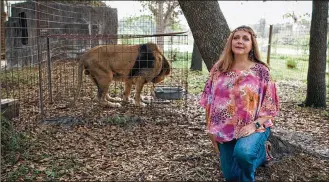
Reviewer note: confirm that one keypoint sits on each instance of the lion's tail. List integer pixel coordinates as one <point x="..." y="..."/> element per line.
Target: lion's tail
<point x="78" y="89"/>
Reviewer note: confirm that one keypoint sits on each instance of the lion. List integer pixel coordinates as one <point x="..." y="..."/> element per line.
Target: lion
<point x="132" y="64"/>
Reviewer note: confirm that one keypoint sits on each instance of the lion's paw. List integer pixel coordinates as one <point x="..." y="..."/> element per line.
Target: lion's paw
<point x="110" y="104"/>
<point x="113" y="99"/>
<point x="115" y="105"/>
<point x="140" y="104"/>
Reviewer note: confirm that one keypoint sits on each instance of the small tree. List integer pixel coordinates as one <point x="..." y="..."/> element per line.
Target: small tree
<point x="165" y="13"/>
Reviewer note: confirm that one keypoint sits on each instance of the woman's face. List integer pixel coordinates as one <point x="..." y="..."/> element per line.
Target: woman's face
<point x="241" y="42"/>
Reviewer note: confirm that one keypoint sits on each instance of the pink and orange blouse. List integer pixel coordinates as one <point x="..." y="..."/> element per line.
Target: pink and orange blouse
<point x="237" y="98"/>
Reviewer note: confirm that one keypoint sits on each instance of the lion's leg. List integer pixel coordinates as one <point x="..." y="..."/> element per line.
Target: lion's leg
<point x="139" y="87"/>
<point x="127" y="90"/>
<point x="103" y="88"/>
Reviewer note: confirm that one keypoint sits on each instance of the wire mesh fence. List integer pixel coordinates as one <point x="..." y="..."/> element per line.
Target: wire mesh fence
<point x="45" y="41"/>
<point x="289" y="56"/>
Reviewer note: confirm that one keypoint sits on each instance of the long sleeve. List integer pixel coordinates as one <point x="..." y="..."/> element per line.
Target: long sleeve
<point x="270" y="104"/>
<point x="206" y="94"/>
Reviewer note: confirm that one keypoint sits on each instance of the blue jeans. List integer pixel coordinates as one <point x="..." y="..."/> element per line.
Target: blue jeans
<point x="240" y="158"/>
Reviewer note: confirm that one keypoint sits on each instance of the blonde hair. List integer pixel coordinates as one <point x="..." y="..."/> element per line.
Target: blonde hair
<point x="226" y="59"/>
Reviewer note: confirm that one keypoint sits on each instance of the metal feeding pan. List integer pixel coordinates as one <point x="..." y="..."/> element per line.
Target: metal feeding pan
<point x="169" y="92"/>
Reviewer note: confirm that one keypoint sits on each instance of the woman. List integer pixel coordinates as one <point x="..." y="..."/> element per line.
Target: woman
<point x="240" y="101"/>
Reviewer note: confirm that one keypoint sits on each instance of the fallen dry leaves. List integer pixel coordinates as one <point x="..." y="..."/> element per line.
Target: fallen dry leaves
<point x="156" y="143"/>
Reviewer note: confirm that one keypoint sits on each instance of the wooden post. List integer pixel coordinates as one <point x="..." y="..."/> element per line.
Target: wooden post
<point x="269" y="45"/>
<point x="9" y="108"/>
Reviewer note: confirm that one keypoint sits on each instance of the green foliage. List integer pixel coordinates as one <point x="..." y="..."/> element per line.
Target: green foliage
<point x="120" y="120"/>
<point x="13" y="79"/>
<point x="197" y="81"/>
<point x="325" y="113"/>
<point x="27" y="173"/>
<point x="133" y="41"/>
<point x="280" y="71"/>
<point x="143" y="24"/>
<point x="176" y="27"/>
<point x="296" y="17"/>
<point x="283" y="57"/>
<point x="291" y="63"/>
<point x="176" y="55"/>
<point x="170" y="11"/>
<point x="12" y="142"/>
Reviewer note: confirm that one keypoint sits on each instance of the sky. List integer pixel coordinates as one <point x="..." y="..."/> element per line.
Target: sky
<point x="236" y="12"/>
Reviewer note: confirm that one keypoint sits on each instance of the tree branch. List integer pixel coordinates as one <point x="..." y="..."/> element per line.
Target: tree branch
<point x="170" y="10"/>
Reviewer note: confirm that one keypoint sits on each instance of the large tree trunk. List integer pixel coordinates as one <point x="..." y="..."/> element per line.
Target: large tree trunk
<point x="316" y="77"/>
<point x="196" y="63"/>
<point x="208" y="26"/>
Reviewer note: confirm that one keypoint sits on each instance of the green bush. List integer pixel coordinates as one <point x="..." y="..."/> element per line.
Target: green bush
<point x="291" y="63"/>
<point x="283" y="57"/>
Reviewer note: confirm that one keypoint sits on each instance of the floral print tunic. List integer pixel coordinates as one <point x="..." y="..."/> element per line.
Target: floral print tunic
<point x="237" y="98"/>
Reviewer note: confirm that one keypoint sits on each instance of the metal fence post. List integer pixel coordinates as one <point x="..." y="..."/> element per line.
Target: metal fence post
<point x="39" y="59"/>
<point x="49" y="72"/>
<point x="269" y="45"/>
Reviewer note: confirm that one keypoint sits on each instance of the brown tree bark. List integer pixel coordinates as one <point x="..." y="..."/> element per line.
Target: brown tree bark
<point x="196" y="63"/>
<point x="316" y="77"/>
<point x="209" y="28"/>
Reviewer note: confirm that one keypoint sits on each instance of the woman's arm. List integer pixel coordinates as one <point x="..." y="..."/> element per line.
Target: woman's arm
<point x="252" y="127"/>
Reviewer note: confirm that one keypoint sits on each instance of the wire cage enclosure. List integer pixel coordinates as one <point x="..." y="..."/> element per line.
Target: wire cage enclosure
<point x="45" y="42"/>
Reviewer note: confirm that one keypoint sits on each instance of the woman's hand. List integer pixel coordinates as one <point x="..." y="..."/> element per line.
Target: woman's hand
<point x="246" y="130"/>
<point x="214" y="143"/>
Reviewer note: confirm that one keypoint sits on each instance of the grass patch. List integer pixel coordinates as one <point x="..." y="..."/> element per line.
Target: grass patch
<point x="15" y="78"/>
<point x="120" y="120"/>
<point x="181" y="64"/>
<point x="14" y="147"/>
<point x="13" y="143"/>
<point x="197" y="81"/>
<point x="23" y="172"/>
<point x="280" y="70"/>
